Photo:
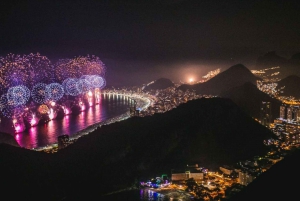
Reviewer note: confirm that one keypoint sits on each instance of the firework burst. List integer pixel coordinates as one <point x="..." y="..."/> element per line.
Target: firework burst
<point x="54" y="91"/>
<point x="38" y="93"/>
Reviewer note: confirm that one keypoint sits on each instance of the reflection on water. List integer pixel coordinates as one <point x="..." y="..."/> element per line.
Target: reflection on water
<point x="164" y="195"/>
<point x="46" y="134"/>
<point x="146" y="194"/>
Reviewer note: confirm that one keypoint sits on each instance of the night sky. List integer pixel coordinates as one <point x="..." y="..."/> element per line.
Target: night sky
<point x="147" y="39"/>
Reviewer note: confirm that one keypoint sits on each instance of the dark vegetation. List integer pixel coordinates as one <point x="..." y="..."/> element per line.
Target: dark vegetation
<point x="210" y="132"/>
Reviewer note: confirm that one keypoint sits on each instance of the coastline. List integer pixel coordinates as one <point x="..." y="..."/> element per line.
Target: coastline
<point x="143" y="104"/>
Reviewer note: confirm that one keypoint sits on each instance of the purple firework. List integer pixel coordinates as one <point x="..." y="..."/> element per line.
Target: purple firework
<point x="54" y="91"/>
<point x="38" y="93"/>
<point x="18" y="95"/>
<point x="70" y="87"/>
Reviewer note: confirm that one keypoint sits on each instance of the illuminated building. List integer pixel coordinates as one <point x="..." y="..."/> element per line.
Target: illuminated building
<point x="298" y="116"/>
<point x="265" y="113"/>
<point x="289" y="114"/>
<point x="63" y="141"/>
<point x="292" y="113"/>
<point x="192" y="171"/>
<point x="295" y="113"/>
<point x="226" y="170"/>
<point x="134" y="111"/>
<point x="180" y="177"/>
<point x="282" y="112"/>
<point x="245" y="178"/>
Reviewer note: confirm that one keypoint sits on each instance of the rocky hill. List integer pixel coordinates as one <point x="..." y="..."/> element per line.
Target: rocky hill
<point x="235" y="76"/>
<point x="248" y="97"/>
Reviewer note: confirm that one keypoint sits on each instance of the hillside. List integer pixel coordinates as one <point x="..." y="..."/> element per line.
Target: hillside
<point x="278" y="183"/>
<point x="291" y="86"/>
<point x="287" y="66"/>
<point x="161" y="83"/>
<point x="210" y="132"/>
<point x="8" y="139"/>
<point x="270" y="59"/>
<point x="248" y="97"/>
<point x="235" y="76"/>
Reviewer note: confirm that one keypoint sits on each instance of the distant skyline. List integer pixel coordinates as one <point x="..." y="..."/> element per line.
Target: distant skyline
<point x="152" y="36"/>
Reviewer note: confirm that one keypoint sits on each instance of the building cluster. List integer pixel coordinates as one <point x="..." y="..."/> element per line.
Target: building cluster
<point x="268" y="75"/>
<point x="191" y="171"/>
<point x="289" y="100"/>
<point x="229" y="180"/>
<point x="287" y="126"/>
<point x="156" y="101"/>
<point x="269" y="88"/>
<point x="168" y="99"/>
<point x="224" y="182"/>
<point x="265" y="113"/>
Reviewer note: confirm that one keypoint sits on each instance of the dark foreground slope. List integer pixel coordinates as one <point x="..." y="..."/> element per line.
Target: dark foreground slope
<point x="28" y="175"/>
<point x="248" y="97"/>
<point x="235" y="76"/>
<point x="280" y="182"/>
<point x="210" y="132"/>
<point x="8" y="139"/>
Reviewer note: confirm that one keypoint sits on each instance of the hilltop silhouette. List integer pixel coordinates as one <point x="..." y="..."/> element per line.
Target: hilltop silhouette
<point x="287" y="66"/>
<point x="248" y="97"/>
<point x="291" y="86"/>
<point x="270" y="59"/>
<point x="235" y="76"/>
<point x="211" y="132"/>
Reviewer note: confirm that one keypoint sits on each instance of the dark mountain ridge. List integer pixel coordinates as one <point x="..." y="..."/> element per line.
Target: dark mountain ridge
<point x="270" y="59"/>
<point x="211" y="132"/>
<point x="248" y="97"/>
<point x="235" y="76"/>
<point x="287" y="66"/>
